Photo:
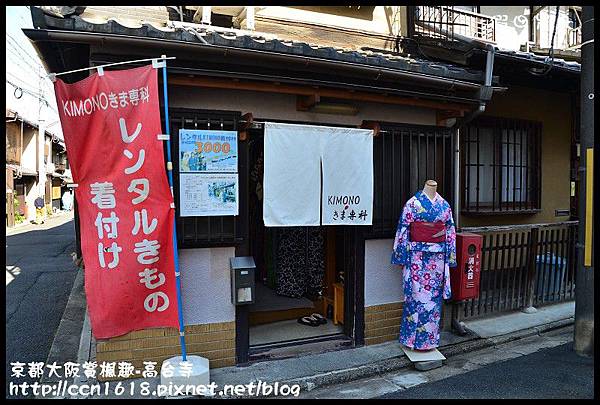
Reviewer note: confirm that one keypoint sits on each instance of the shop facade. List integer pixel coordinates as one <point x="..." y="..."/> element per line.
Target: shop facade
<point x="239" y="85"/>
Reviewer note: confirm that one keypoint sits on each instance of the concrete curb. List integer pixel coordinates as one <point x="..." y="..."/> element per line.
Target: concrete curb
<point x="312" y="382"/>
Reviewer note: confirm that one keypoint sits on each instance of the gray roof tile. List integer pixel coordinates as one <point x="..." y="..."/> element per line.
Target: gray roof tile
<point x="368" y="57"/>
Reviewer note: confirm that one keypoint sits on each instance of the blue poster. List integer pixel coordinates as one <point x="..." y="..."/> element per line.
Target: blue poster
<point x="207" y="151"/>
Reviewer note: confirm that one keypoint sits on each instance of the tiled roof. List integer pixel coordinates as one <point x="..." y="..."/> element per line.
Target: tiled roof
<point x="530" y="56"/>
<point x="256" y="41"/>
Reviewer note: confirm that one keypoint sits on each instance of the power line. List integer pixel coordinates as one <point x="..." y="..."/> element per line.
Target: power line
<point x="551" y="53"/>
<point x="28" y="53"/>
<point x="33" y="93"/>
<point x="17" y="78"/>
<point x="28" y="91"/>
<point x="18" y="55"/>
<point x="24" y="83"/>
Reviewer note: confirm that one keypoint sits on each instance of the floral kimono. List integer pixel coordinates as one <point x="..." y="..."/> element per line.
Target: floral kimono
<point x="426" y="271"/>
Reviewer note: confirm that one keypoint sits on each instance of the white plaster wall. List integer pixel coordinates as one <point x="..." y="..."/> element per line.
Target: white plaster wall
<point x="383" y="280"/>
<point x="283" y="107"/>
<point x="512" y="25"/>
<point x="28" y="160"/>
<point x="31" y="193"/>
<point x="546" y="27"/>
<point x="205" y="285"/>
<point x="378" y="23"/>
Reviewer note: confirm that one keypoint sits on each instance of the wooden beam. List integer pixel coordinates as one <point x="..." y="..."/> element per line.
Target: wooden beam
<point x="220" y="83"/>
<point x="248" y="118"/>
<point x="374" y="125"/>
<point x="442" y="116"/>
<point x="304" y="103"/>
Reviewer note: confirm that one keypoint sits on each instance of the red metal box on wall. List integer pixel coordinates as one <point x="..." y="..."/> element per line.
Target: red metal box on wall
<point x="464" y="278"/>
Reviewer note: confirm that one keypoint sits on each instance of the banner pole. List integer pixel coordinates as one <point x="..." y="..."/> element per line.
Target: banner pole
<point x="175" y="253"/>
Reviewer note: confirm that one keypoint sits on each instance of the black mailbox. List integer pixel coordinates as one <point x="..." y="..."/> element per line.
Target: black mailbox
<point x="242" y="280"/>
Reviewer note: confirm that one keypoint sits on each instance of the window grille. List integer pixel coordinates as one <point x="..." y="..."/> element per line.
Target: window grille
<point x="500" y="164"/>
<point x="195" y="232"/>
<point x="404" y="157"/>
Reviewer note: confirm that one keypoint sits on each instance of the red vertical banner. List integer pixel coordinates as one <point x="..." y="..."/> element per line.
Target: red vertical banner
<point x="110" y="124"/>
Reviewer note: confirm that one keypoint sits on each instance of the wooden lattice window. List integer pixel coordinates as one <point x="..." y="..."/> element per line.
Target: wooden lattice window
<point x="404" y="157"/>
<point x="209" y="231"/>
<point x="500" y="165"/>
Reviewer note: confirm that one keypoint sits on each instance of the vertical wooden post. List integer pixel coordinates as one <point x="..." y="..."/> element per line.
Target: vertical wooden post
<point x="531" y="268"/>
<point x="250" y="18"/>
<point x="206" y="15"/>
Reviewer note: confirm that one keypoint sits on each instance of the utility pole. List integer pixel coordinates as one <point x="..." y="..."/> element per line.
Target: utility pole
<point x="584" y="285"/>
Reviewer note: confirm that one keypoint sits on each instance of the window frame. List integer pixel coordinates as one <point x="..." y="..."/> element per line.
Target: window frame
<point x="531" y="153"/>
<point x="397" y="178"/>
<point x="208" y="231"/>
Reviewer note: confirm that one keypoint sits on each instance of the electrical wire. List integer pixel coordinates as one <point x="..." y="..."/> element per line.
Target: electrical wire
<point x="33" y="93"/>
<point x="15" y="58"/>
<point x="551" y="52"/>
<point x="12" y="41"/>
<point x="24" y="88"/>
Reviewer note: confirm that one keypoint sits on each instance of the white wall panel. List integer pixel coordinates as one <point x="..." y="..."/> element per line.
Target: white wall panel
<point x="205" y="285"/>
<point x="383" y="280"/>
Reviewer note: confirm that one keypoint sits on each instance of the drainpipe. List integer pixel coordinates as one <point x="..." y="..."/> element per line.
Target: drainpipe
<point x="485" y="95"/>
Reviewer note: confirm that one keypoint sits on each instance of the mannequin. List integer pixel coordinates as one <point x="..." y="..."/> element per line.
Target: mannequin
<point x="430" y="188"/>
<point x="425" y="261"/>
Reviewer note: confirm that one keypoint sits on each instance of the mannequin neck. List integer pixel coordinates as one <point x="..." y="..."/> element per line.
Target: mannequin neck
<point x="430" y="191"/>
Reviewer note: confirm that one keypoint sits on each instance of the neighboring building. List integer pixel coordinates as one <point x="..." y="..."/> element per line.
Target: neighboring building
<point x="31" y="110"/>
<point x="424" y="89"/>
<point x="23" y="169"/>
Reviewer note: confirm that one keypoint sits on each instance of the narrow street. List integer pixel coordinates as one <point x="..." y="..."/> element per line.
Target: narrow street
<point x="39" y="277"/>
<point x="547" y="374"/>
<point x="540" y="366"/>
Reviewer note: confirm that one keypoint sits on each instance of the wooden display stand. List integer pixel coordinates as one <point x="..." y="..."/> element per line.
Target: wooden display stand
<point x="338" y="303"/>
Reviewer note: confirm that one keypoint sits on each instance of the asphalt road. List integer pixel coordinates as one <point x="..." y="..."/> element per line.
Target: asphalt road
<point x="549" y="373"/>
<point x="39" y="275"/>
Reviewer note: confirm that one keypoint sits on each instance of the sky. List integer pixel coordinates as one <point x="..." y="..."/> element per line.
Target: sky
<point x="26" y="75"/>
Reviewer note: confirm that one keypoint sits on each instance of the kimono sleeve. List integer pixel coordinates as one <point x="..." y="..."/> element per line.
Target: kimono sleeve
<point x="401" y="242"/>
<point x="450" y="238"/>
<point x="450" y="252"/>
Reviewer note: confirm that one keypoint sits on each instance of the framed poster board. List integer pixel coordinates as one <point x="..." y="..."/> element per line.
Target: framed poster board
<point x="208" y="173"/>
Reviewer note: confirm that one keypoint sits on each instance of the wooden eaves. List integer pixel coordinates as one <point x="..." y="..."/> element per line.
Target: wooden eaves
<point x="316" y="92"/>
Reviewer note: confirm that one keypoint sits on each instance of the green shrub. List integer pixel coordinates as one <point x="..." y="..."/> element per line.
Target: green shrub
<point x="18" y="217"/>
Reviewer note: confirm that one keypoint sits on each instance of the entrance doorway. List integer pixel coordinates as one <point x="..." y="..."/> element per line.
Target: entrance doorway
<point x="301" y="279"/>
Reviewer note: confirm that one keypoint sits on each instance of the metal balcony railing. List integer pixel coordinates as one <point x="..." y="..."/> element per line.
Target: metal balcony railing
<point x="448" y="23"/>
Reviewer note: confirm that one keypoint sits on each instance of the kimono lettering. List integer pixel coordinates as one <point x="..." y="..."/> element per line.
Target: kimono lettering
<point x="107" y="224"/>
<point x="141" y="220"/>
<point x="114" y="249"/>
<point x="104" y="195"/>
<point x="145" y="249"/>
<point x="151" y="302"/>
<point x="148" y="276"/>
<point x="138" y="164"/>
<point x="426" y="271"/>
<point x="142" y="192"/>
<point x="125" y="135"/>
